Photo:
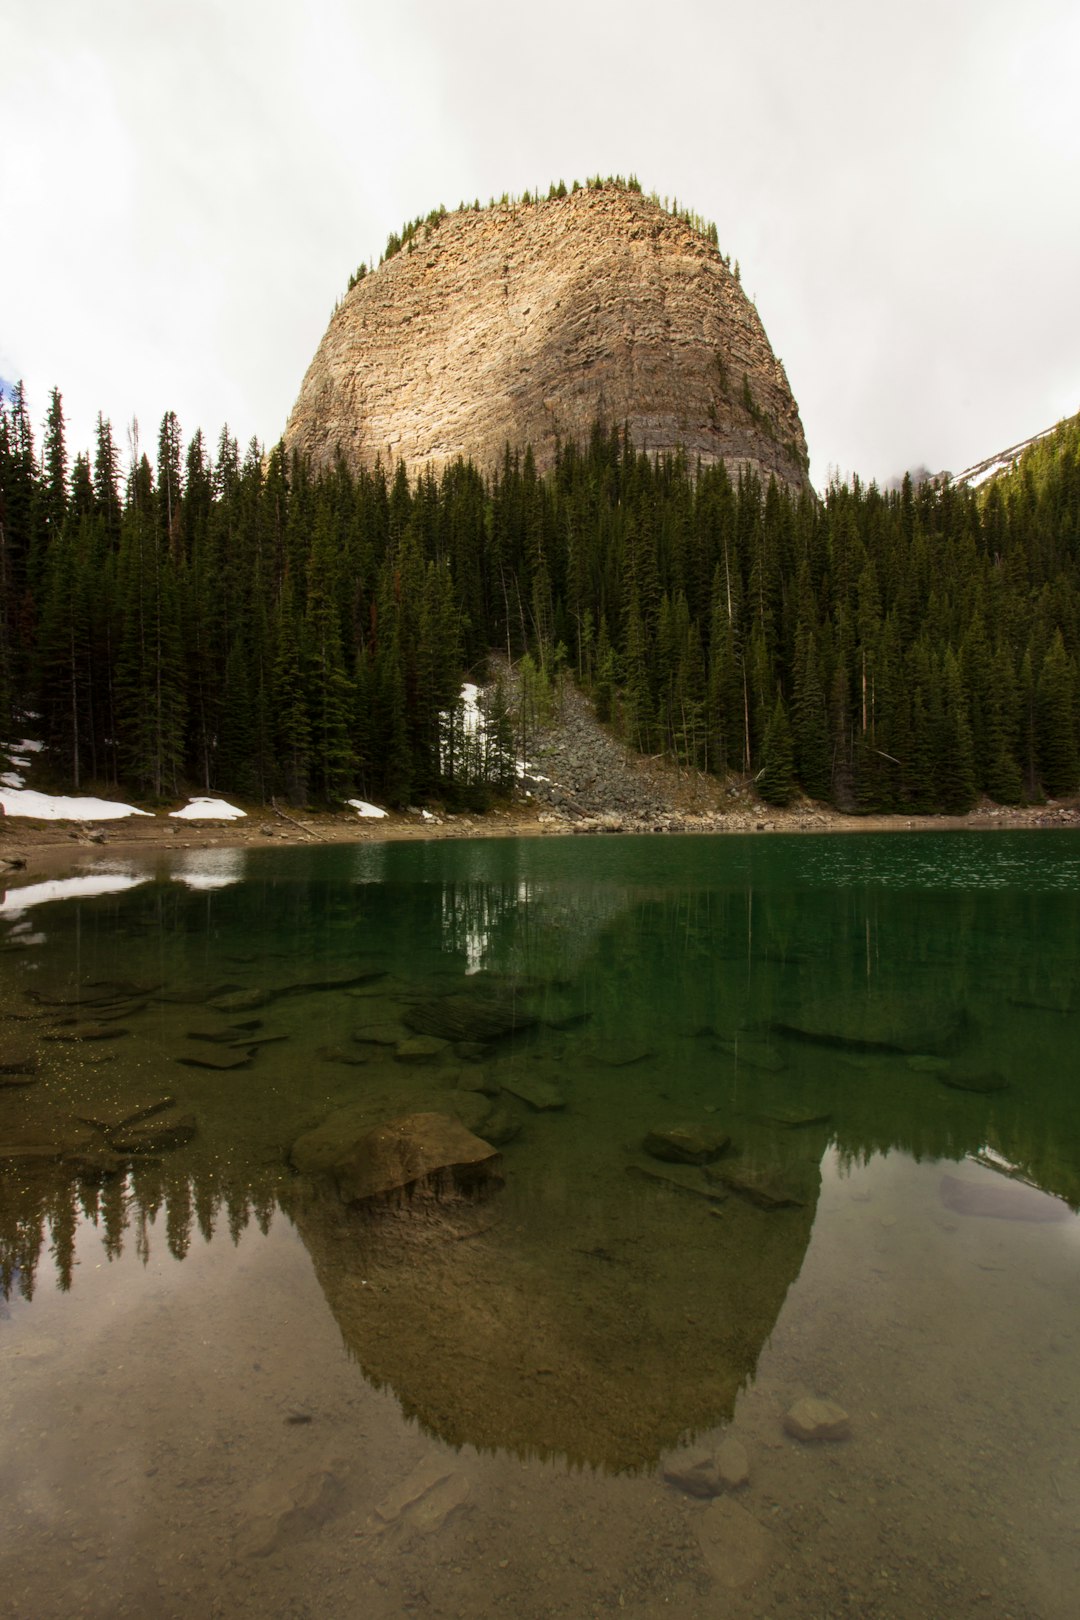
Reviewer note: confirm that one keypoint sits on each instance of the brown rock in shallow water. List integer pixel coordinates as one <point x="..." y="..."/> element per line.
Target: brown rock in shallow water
<point x="126" y="1109"/>
<point x="156" y="1135"/>
<point x="696" y="1475"/>
<point x="240" y="1001"/>
<point x="16" y="1060"/>
<point x="421" y="1049"/>
<point x="86" y="1032"/>
<point x="813" y="1419"/>
<point x="410" y="1151"/>
<point x="736" y="1548"/>
<point x="208" y="1057"/>
<point x="685" y="1144"/>
<point x="982" y="1084"/>
<point x="473" y="1018"/>
<point x="767" y="1188"/>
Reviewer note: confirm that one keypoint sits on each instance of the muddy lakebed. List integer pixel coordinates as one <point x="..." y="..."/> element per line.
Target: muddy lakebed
<point x="544" y="1227"/>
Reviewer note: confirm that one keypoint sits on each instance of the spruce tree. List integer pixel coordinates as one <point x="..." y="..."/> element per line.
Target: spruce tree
<point x="1056" y="741"/>
<point x="776" y="780"/>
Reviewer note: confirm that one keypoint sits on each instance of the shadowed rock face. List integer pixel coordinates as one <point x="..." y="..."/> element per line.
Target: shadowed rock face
<point x="526" y="325"/>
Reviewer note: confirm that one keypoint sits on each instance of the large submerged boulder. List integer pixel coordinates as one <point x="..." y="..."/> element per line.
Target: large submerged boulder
<point x="373" y="1164"/>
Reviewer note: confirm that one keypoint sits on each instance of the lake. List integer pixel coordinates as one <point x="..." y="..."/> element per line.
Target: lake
<point x="579" y="1387"/>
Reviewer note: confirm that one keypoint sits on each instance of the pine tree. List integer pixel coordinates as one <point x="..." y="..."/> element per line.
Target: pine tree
<point x="776" y="780"/>
<point x="1056" y="741"/>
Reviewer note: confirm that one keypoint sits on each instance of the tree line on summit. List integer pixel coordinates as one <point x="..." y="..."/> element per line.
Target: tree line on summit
<point x="235" y="623"/>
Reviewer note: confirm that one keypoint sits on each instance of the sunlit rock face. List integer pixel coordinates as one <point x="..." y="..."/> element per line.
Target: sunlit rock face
<point x="526" y="325"/>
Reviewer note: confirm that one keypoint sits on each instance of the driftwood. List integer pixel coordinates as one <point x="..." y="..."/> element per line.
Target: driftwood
<point x="286" y="817"/>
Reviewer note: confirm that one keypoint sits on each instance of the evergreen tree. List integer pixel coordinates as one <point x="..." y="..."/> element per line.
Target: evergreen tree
<point x="1056" y="741"/>
<point x="776" y="779"/>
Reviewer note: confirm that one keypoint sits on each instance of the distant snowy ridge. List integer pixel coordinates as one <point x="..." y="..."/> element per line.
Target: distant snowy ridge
<point x="973" y="477"/>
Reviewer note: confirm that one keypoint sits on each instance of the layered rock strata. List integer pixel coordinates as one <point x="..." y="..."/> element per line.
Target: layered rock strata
<point x="527" y="324"/>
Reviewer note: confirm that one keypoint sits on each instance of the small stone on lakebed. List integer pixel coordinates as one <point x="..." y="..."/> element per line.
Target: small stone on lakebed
<point x="685" y="1144"/>
<point x="814" y="1419"/>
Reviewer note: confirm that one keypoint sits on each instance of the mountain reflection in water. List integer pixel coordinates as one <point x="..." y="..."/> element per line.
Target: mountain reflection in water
<point x="293" y="1407"/>
<point x="603" y="1305"/>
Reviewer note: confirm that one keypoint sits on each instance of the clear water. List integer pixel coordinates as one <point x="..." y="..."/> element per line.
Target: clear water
<point x="226" y="1392"/>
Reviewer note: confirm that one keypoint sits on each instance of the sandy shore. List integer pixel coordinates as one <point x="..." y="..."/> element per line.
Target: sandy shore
<point x="53" y="846"/>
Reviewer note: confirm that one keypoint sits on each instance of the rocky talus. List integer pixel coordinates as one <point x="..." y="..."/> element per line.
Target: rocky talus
<point x="579" y="773"/>
<point x="526" y="324"/>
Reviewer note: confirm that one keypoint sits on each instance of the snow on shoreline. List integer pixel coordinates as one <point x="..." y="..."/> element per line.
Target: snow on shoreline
<point x="208" y="810"/>
<point x="367" y="812"/>
<point x="52" y="807"/>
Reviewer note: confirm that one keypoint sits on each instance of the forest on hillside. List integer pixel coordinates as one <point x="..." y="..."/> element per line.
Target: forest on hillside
<point x="227" y="622"/>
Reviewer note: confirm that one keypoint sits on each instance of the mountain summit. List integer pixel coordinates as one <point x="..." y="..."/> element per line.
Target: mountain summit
<point x="526" y="323"/>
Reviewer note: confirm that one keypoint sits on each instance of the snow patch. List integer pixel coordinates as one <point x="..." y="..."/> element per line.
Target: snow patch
<point x="208" y="810"/>
<point x="47" y="807"/>
<point x="368" y="812"/>
<point x="471" y="718"/>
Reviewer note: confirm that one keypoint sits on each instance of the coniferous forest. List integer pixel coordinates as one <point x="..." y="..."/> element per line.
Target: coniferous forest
<point x="213" y="621"/>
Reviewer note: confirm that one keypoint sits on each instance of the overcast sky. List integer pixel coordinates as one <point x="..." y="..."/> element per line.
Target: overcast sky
<point x="184" y="190"/>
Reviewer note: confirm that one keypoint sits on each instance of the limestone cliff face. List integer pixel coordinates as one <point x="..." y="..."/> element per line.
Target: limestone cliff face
<point x="526" y="324"/>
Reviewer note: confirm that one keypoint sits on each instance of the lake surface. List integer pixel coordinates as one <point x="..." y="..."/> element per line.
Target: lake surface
<point x="225" y="1391"/>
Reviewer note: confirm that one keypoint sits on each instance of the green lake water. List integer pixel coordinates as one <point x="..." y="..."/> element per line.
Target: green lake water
<point x="226" y="1391"/>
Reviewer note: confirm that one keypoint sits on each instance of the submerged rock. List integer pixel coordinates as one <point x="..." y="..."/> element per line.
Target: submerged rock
<point x="926" y="1063"/>
<point x="18" y="1062"/>
<point x="127" y="1108"/>
<point x="95" y="1162"/>
<point x="425" y="1499"/>
<point x="338" y="1054"/>
<point x="240" y="1000"/>
<point x="736" y="1548"/>
<point x="278" y="1512"/>
<point x="399" y="1156"/>
<point x="471" y="1051"/>
<point x="476" y="1079"/>
<point x="225" y="1058"/>
<point x="159" y="1134"/>
<point x="753" y="1054"/>
<point x="473" y="1110"/>
<point x="620" y="1054"/>
<point x="684" y="1178"/>
<point x="813" y="1419"/>
<point x="875" y="1026"/>
<point x="793" y="1119"/>
<point x="85" y="1032"/>
<point x="332" y="981"/>
<point x="473" y="1018"/>
<point x="421" y="1049"/>
<point x="500" y="1127"/>
<point x="384" y="1034"/>
<point x="982" y="1084"/>
<point x="685" y="1144"/>
<point x="537" y="1092"/>
<point x="697" y="1475"/>
<point x="732" y="1464"/>
<point x="768" y="1188"/>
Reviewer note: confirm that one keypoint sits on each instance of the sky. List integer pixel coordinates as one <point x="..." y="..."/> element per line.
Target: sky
<point x="184" y="190"/>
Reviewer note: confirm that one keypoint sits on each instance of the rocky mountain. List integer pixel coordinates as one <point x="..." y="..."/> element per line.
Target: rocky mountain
<point x="526" y="323"/>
